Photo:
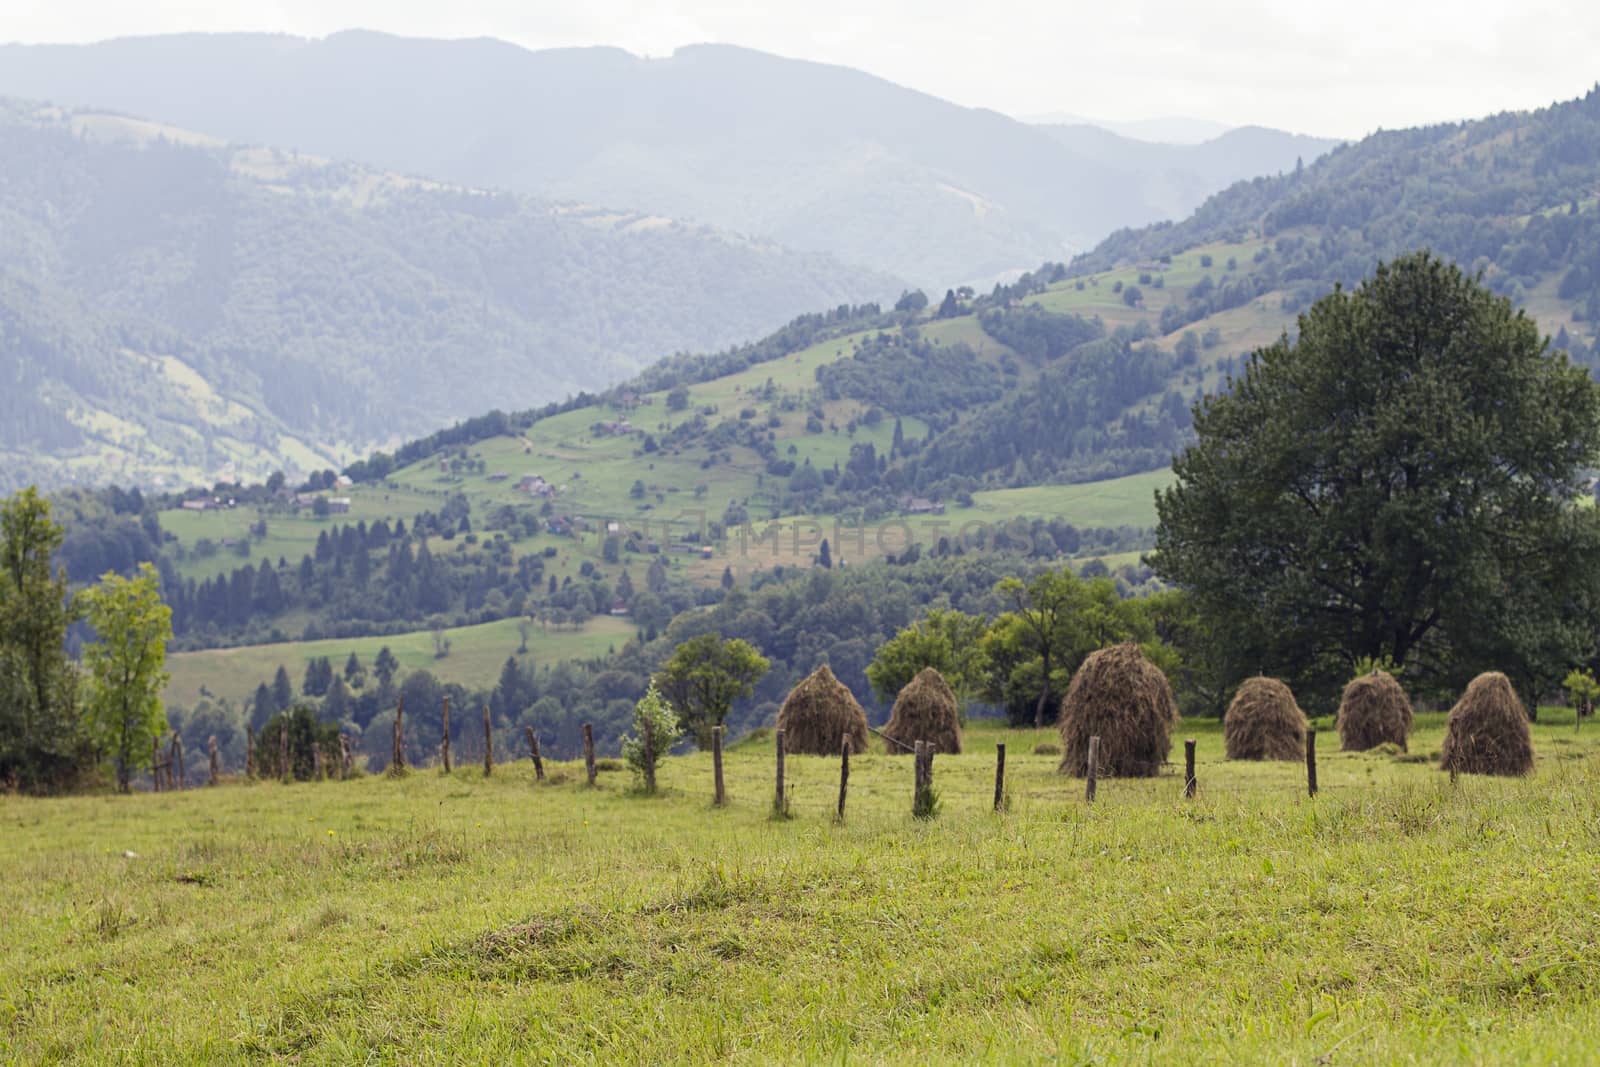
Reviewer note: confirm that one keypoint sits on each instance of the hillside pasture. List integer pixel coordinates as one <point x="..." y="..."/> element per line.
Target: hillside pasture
<point x="1396" y="917"/>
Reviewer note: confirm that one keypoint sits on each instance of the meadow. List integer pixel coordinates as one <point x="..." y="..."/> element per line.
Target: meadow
<point x="1398" y="917"/>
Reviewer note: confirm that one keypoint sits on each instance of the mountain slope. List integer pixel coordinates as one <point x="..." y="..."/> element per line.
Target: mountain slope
<point x="171" y="305"/>
<point x="816" y="157"/>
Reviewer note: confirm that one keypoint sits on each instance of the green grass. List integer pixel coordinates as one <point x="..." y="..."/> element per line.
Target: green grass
<point x="476" y="655"/>
<point x="1396" y="918"/>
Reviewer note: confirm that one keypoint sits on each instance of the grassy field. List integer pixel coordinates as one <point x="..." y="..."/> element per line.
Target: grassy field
<point x="1398" y="917"/>
<point x="476" y="655"/>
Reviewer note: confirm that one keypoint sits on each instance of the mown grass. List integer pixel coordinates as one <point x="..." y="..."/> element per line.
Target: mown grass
<point x="1396" y="918"/>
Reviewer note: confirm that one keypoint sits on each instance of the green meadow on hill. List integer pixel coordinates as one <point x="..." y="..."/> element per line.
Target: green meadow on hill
<point x="1397" y="917"/>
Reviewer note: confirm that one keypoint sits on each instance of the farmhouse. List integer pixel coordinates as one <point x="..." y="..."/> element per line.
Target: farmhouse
<point x="535" y="485"/>
<point x="918" y="505"/>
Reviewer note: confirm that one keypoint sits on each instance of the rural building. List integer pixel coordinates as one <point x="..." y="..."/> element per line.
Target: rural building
<point x="917" y="505"/>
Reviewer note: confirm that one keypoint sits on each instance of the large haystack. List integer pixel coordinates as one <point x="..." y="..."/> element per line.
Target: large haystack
<point x="1264" y="722"/>
<point x="1488" y="730"/>
<point x="819" y="714"/>
<point x="925" y="710"/>
<point x="1123" y="698"/>
<point x="1373" y="711"/>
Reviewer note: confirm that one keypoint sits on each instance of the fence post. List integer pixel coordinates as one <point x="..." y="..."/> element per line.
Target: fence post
<point x="216" y="758"/>
<point x="316" y="762"/>
<point x="588" y="751"/>
<point x="780" y="806"/>
<point x="488" y="744"/>
<point x="1189" y="783"/>
<point x="398" y="760"/>
<point x="917" y="749"/>
<point x="1093" y="768"/>
<point x="444" y="745"/>
<point x="844" y="776"/>
<point x="249" y="751"/>
<point x="283" y="748"/>
<point x="1311" y="762"/>
<point x="176" y="758"/>
<point x="344" y="756"/>
<point x="924" y="804"/>
<point x="720" y="796"/>
<point x="533" y="747"/>
<point x="647" y="737"/>
<point x="1000" y="776"/>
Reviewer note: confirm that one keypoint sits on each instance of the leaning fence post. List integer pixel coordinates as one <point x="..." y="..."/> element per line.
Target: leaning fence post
<point x="397" y="762"/>
<point x="780" y="805"/>
<point x="444" y="744"/>
<point x="216" y="758"/>
<point x="344" y="756"/>
<point x="488" y="744"/>
<point x="588" y="751"/>
<point x="177" y="758"/>
<point x="720" y="795"/>
<point x="844" y="776"/>
<point x="1000" y="776"/>
<point x="155" y="763"/>
<point x="1311" y="762"/>
<point x="1189" y="783"/>
<point x="1093" y="768"/>
<point x="533" y="747"/>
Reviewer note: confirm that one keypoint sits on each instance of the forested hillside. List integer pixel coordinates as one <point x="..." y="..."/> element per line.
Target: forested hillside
<point x="172" y="306"/>
<point x="815" y="157"/>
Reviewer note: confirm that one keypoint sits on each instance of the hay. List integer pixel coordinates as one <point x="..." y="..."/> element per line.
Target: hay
<point x="1373" y="711"/>
<point x="1487" y="732"/>
<point x="925" y="710"/>
<point x="1123" y="698"/>
<point x="1264" y="723"/>
<point x="819" y="714"/>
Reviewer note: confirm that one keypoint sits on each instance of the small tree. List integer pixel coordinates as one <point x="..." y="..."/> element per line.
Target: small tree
<point x="127" y="666"/>
<point x="1582" y="688"/>
<point x="656" y="729"/>
<point x="705" y="676"/>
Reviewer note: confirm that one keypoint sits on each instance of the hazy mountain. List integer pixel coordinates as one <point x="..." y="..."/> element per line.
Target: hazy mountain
<point x="815" y="157"/>
<point x="170" y="305"/>
<point x="1172" y="129"/>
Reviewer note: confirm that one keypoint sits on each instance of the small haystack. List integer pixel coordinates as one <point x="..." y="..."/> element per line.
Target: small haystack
<point x="1264" y="722"/>
<point x="1487" y="732"/>
<point x="1125" y="700"/>
<point x="1373" y="711"/>
<point x="925" y="710"/>
<point x="819" y="714"/>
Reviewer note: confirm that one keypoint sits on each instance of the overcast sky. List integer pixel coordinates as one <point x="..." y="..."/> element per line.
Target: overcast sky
<point x="1339" y="69"/>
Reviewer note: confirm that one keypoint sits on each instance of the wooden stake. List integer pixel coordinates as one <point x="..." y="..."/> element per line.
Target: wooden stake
<point x="216" y="759"/>
<point x="917" y="750"/>
<point x="444" y="745"/>
<point x="488" y="744"/>
<point x="397" y="762"/>
<point x="176" y="760"/>
<point x="720" y="796"/>
<point x="316" y="762"/>
<point x="533" y="747"/>
<point x="1093" y="769"/>
<point x="283" y="748"/>
<point x="1311" y="762"/>
<point x="249" y="751"/>
<point x="344" y="757"/>
<point x="1189" y="783"/>
<point x="780" y="805"/>
<point x="588" y="751"/>
<point x="844" y="776"/>
<point x="1000" y="776"/>
<point x="155" y="762"/>
<point x="648" y="737"/>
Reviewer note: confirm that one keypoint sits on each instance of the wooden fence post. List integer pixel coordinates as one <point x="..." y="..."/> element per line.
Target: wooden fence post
<point x="1093" y="768"/>
<point x="344" y="756"/>
<point x="647" y="737"/>
<point x="283" y="749"/>
<point x="1311" y="762"/>
<point x="444" y="744"/>
<point x="249" y="751"/>
<point x="533" y="747"/>
<point x="780" y="805"/>
<point x="720" y="796"/>
<point x="397" y="762"/>
<point x="924" y="804"/>
<point x="176" y="759"/>
<point x="917" y="750"/>
<point x="488" y="744"/>
<point x="1189" y="782"/>
<point x="844" y="776"/>
<point x="155" y="762"/>
<point x="588" y="751"/>
<point x="1000" y="776"/>
<point x="316" y="762"/>
<point x="216" y="759"/>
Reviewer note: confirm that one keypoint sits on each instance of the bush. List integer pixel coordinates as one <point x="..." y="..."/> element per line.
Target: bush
<point x="654" y="718"/>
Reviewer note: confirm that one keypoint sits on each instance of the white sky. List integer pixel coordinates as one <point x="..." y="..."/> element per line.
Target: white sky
<point x="1334" y="69"/>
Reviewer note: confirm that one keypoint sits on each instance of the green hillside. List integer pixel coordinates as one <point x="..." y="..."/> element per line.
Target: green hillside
<point x="175" y="310"/>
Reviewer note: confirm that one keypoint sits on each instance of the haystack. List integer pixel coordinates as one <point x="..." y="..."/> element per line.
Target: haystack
<point x="1264" y="722"/>
<point x="925" y="710"/>
<point x="819" y="714"/>
<point x="1487" y="732"/>
<point x="1123" y="698"/>
<point x="1373" y="711"/>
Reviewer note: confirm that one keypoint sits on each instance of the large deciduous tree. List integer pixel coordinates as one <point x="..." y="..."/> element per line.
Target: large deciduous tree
<point x="127" y="667"/>
<point x="703" y="678"/>
<point x="951" y="642"/>
<point x="1402" y="481"/>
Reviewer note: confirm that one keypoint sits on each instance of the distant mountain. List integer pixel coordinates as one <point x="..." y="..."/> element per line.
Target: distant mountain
<point x="815" y="157"/>
<point x="172" y="306"/>
<point x="1174" y="129"/>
